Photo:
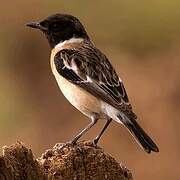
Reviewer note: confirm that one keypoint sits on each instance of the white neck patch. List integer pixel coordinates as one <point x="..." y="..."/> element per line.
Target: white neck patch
<point x="70" y="41"/>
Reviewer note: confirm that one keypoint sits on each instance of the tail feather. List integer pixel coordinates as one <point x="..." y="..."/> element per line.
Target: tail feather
<point x="140" y="135"/>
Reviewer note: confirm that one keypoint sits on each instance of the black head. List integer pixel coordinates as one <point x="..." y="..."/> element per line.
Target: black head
<point x="60" y="27"/>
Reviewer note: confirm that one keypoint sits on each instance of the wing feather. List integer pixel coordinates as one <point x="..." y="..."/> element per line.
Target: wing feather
<point x="96" y="76"/>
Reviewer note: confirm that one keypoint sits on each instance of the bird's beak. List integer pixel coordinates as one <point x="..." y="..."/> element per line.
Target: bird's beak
<point x="36" y="25"/>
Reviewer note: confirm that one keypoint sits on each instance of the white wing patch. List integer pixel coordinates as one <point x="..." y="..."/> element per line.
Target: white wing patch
<point x="89" y="79"/>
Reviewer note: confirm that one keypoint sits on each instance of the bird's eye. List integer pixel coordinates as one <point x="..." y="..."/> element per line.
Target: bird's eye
<point x="44" y="24"/>
<point x="55" y="26"/>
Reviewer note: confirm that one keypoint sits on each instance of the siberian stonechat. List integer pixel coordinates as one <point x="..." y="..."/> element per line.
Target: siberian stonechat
<point x="87" y="78"/>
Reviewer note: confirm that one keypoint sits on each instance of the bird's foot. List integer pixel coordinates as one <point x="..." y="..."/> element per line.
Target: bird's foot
<point x="72" y="143"/>
<point x="94" y="142"/>
<point x="61" y="146"/>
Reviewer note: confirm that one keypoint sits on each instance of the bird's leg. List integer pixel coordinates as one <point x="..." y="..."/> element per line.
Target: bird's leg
<point x="89" y="126"/>
<point x="108" y="121"/>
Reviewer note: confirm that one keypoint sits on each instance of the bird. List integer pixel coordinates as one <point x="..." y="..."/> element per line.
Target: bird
<point x="87" y="78"/>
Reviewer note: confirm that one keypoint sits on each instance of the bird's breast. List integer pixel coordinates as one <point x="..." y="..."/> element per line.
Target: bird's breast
<point x="79" y="98"/>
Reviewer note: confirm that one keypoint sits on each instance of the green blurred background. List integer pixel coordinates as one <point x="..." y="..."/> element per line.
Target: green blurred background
<point x="142" y="40"/>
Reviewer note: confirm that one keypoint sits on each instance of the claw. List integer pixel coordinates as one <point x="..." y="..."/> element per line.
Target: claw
<point x="61" y="146"/>
<point x="72" y="142"/>
<point x="94" y="142"/>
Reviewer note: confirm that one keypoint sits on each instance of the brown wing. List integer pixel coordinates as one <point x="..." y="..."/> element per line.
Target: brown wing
<point x="90" y="69"/>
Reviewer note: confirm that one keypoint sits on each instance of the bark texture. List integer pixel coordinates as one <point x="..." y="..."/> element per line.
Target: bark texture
<point x="63" y="162"/>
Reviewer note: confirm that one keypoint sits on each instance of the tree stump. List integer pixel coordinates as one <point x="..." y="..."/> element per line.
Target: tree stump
<point x="82" y="161"/>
